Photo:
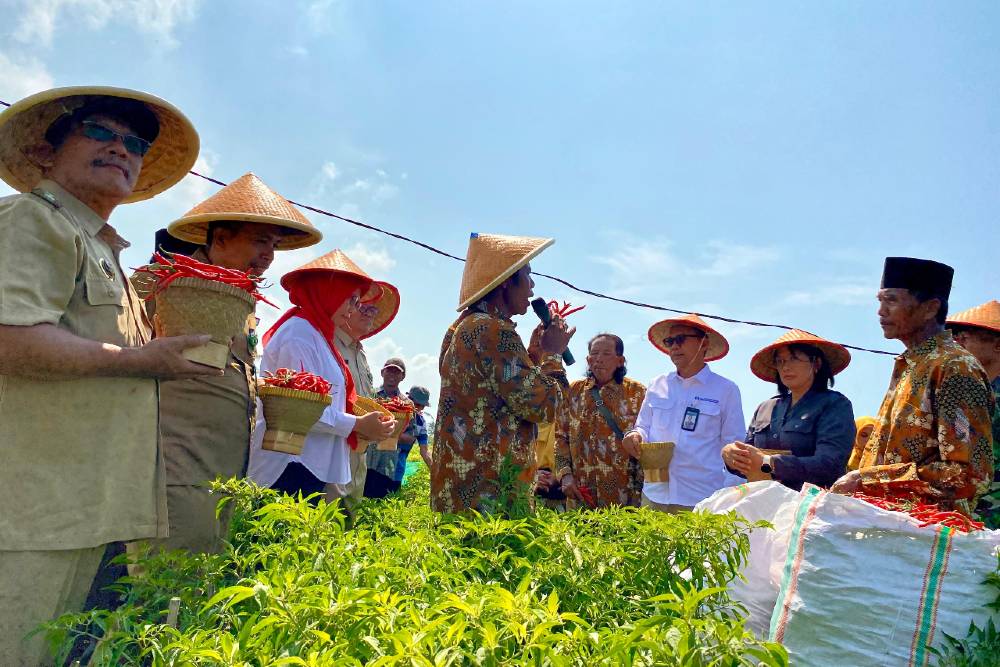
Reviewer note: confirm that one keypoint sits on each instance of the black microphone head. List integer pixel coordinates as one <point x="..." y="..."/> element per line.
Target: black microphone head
<point x="542" y="310"/>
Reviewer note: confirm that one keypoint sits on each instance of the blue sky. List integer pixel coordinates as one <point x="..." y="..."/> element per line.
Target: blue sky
<point x="756" y="160"/>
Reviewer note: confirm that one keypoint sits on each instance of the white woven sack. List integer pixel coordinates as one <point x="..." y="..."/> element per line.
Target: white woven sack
<point x="863" y="586"/>
<point x="771" y="502"/>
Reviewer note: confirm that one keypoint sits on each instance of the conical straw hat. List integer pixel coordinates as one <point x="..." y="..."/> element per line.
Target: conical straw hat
<point x="718" y="346"/>
<point x="762" y="363"/>
<point x="983" y="316"/>
<point x="387" y="302"/>
<point x="247" y="199"/>
<point x="492" y="259"/>
<point x="23" y="127"/>
<point x="335" y="261"/>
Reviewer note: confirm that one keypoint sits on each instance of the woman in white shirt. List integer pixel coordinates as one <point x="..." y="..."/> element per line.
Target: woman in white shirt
<point x="322" y="292"/>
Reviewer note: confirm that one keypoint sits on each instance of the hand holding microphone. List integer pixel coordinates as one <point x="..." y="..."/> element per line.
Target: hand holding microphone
<point x="556" y="335"/>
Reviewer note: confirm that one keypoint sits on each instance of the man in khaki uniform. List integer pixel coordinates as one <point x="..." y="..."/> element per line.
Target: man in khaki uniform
<point x="205" y="423"/>
<point x="371" y="317"/>
<point x="78" y="375"/>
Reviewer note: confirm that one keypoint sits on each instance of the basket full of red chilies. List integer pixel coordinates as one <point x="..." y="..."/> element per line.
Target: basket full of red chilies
<point x="402" y="410"/>
<point x="293" y="403"/>
<point x="193" y="297"/>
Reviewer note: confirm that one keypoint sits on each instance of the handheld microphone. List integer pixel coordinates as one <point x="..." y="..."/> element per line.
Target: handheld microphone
<point x="545" y="315"/>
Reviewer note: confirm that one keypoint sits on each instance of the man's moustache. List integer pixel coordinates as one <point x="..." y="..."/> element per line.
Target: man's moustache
<point x="104" y="163"/>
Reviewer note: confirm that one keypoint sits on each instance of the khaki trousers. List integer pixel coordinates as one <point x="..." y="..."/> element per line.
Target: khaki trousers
<point x="350" y="494"/>
<point x="193" y="524"/>
<point x="35" y="587"/>
<point x="663" y="507"/>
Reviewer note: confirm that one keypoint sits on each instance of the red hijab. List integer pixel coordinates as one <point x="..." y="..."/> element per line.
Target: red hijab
<point x="316" y="296"/>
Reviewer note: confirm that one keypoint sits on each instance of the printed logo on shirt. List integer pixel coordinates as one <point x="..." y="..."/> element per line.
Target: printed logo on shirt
<point x="707" y="400"/>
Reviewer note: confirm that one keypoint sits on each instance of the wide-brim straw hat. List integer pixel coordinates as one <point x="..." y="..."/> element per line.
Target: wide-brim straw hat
<point x="335" y="262"/>
<point x="23" y="126"/>
<point x="762" y="363"/>
<point x="492" y="259"/>
<point x="718" y="346"/>
<point x="247" y="199"/>
<point x="387" y="303"/>
<point x="983" y="316"/>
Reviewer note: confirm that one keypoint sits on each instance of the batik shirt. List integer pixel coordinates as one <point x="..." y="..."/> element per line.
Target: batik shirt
<point x="587" y="447"/>
<point x="492" y="397"/>
<point x="989" y="505"/>
<point x="934" y="431"/>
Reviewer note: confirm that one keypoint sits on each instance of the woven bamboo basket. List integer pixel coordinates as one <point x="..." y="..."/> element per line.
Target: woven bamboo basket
<point x="757" y="475"/>
<point x="198" y="306"/>
<point x="655" y="460"/>
<point x="290" y="414"/>
<point x="364" y="405"/>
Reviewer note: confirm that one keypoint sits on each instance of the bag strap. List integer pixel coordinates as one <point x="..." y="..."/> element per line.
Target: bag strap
<point x="595" y="393"/>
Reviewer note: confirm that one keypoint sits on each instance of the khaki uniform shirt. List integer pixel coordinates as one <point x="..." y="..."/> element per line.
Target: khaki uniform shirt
<point x="205" y="423"/>
<point x="80" y="462"/>
<point x="364" y="383"/>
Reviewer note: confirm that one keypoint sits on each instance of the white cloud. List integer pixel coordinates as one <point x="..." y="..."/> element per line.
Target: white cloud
<point x="384" y="192"/>
<point x="421" y="367"/>
<point x="330" y="171"/>
<point x="192" y="189"/>
<point x="297" y="50"/>
<point x="854" y="293"/>
<point x="640" y="266"/>
<point x="375" y="260"/>
<point x="40" y="19"/>
<point x="21" y="77"/>
<point x="325" y="16"/>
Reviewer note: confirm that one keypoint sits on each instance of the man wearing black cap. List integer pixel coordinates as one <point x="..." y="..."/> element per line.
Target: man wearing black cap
<point x="934" y="435"/>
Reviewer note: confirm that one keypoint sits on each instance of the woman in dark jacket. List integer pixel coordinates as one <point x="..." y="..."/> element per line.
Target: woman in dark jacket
<point x="806" y="432"/>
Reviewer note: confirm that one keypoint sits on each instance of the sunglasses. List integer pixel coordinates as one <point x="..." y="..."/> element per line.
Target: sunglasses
<point x="133" y="144"/>
<point x="679" y="339"/>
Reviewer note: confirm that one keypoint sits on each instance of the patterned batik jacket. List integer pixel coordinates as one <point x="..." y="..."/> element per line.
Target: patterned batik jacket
<point x="989" y="505"/>
<point x="492" y="397"/>
<point x="587" y="447"/>
<point x="934" y="431"/>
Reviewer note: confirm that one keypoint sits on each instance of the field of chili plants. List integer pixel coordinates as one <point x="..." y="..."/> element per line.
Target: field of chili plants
<point x="408" y="587"/>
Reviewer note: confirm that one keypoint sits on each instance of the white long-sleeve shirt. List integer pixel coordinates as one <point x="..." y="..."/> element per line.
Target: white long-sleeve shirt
<point x="696" y="469"/>
<point x="298" y="345"/>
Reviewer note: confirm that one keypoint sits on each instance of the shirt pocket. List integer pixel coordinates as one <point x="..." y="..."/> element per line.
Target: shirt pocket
<point x="101" y="290"/>
<point x="661" y="410"/>
<point x="799" y="435"/>
<point x="709" y="417"/>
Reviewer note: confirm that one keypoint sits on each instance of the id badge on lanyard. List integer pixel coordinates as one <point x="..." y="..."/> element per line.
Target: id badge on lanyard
<point x="690" y="421"/>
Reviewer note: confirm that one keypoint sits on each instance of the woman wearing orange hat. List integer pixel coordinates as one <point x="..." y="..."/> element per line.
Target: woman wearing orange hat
<point x="864" y="427"/>
<point x="321" y="292"/>
<point x="806" y="432"/>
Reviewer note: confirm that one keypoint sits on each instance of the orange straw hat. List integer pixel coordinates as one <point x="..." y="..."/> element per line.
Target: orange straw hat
<point x="983" y="316"/>
<point x="247" y="199"/>
<point x="492" y="259"/>
<point x="335" y="261"/>
<point x="762" y="363"/>
<point x="387" y="303"/>
<point x="24" y="124"/>
<point x="718" y="346"/>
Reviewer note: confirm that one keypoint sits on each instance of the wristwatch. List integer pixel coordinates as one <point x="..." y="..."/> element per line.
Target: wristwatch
<point x="766" y="467"/>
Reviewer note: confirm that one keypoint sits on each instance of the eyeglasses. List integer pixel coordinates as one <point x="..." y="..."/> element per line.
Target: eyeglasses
<point x="133" y="144"/>
<point x="368" y="310"/>
<point x="679" y="339"/>
<point x="781" y="363"/>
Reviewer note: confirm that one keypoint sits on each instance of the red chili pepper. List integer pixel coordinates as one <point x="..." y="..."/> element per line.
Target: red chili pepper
<point x="563" y="311"/>
<point x="926" y="514"/>
<point x="587" y="496"/>
<point x="300" y="380"/>
<point x="168" y="269"/>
